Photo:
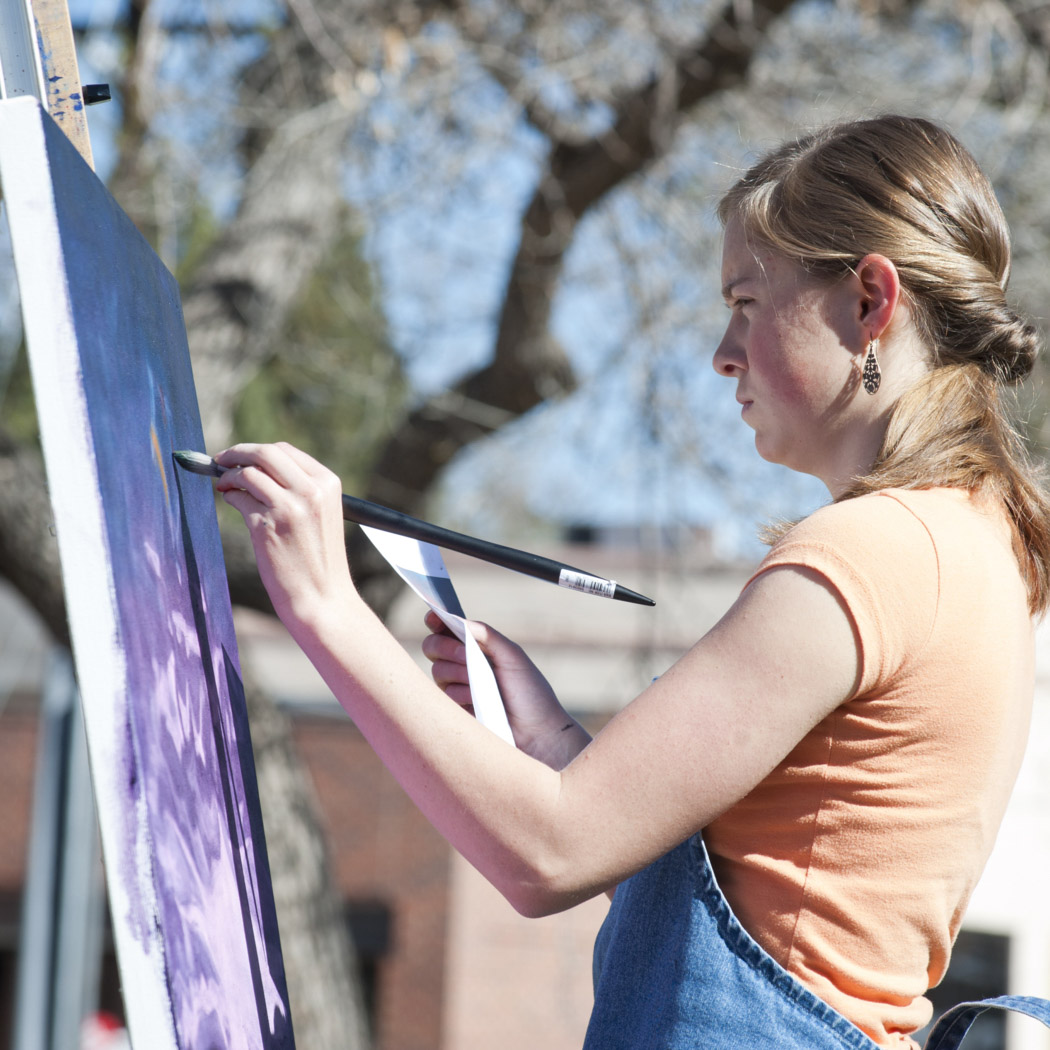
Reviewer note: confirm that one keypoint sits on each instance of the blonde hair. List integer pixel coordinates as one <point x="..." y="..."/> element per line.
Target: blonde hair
<point x="905" y="188"/>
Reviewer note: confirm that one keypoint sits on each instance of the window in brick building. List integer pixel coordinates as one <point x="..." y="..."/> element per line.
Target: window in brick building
<point x="10" y="909"/>
<point x="7" y="994"/>
<point x="369" y="924"/>
<point x="978" y="969"/>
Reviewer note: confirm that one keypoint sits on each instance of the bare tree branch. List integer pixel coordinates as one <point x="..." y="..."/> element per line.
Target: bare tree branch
<point x="528" y="367"/>
<point x="132" y="181"/>
<point x="1033" y="18"/>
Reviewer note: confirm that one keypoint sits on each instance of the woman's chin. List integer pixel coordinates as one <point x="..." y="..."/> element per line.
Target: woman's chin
<point x="768" y="451"/>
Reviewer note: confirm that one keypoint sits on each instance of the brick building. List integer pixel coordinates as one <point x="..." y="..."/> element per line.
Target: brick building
<point x="447" y="963"/>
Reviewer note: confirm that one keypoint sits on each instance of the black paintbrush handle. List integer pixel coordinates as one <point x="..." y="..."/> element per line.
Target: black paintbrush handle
<point x="365" y="513"/>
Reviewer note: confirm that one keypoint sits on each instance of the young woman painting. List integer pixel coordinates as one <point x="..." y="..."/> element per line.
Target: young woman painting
<point x="795" y="814"/>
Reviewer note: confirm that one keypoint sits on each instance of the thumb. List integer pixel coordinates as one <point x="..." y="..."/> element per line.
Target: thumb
<point x="496" y="646"/>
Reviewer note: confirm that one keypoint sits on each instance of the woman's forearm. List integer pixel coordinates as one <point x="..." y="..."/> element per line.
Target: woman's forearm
<point x="501" y="809"/>
<point x="695" y="741"/>
<point x="495" y="805"/>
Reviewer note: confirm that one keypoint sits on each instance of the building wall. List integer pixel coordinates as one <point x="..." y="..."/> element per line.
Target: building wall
<point x="515" y="983"/>
<point x="455" y="967"/>
<point x="1013" y="896"/>
<point x="461" y="970"/>
<point x="18" y="723"/>
<point x="385" y="854"/>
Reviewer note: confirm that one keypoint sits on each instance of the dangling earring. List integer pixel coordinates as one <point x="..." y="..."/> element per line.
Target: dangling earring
<point x="872" y="375"/>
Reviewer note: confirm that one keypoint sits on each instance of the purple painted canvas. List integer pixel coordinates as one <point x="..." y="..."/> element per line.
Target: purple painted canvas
<point x="172" y="765"/>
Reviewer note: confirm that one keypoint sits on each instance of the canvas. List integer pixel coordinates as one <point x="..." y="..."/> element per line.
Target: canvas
<point x="156" y="659"/>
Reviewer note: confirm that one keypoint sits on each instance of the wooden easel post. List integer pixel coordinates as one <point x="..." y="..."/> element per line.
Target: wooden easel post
<point x="38" y="57"/>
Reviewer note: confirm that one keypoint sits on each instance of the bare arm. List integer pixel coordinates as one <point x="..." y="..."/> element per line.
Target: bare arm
<point x="697" y="740"/>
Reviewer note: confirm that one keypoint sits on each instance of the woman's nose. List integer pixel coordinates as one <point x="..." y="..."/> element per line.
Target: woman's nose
<point x="729" y="359"/>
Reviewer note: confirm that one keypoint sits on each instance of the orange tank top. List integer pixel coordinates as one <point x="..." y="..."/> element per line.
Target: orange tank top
<point x="853" y="861"/>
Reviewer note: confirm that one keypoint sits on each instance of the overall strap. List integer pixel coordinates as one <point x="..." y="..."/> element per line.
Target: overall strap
<point x="953" y="1025"/>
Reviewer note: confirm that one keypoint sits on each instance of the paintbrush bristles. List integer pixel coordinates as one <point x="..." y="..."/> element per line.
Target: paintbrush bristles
<point x="198" y="463"/>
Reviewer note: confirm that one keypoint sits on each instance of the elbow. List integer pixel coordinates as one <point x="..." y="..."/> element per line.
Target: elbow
<point x="534" y="902"/>
<point x="537" y="893"/>
<point x="537" y="904"/>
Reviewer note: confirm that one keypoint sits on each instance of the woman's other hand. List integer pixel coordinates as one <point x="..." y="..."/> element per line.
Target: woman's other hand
<point x="541" y="726"/>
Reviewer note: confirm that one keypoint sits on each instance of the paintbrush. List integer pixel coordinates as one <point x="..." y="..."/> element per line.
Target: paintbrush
<point x="364" y="512"/>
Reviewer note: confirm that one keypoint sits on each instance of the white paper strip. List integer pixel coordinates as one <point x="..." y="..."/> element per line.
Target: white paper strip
<point x="421" y="566"/>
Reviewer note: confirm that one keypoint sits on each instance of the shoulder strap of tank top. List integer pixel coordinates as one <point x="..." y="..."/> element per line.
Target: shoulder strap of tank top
<point x="953" y="1025"/>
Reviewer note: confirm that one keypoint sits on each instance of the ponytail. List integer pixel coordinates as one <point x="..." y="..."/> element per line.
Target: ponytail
<point x="952" y="429"/>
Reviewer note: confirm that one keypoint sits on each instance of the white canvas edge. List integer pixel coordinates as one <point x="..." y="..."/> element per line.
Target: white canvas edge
<point x="74" y="490"/>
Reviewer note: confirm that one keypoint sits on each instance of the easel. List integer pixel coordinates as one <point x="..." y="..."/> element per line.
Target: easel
<point x="176" y="794"/>
<point x="38" y="58"/>
<point x="62" y="911"/>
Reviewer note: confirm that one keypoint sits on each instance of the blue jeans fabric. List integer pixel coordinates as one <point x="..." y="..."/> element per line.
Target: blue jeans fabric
<point x="953" y="1024"/>
<point x="675" y="970"/>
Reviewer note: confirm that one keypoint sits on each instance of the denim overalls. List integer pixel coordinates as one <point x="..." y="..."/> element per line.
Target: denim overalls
<point x="675" y="970"/>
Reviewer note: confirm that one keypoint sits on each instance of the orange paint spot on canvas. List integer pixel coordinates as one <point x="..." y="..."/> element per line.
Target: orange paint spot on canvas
<point x="161" y="466"/>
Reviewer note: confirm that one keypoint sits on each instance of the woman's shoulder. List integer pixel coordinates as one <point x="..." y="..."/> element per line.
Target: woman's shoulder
<point x="892" y="538"/>
<point x="877" y="553"/>
<point x="889" y="516"/>
<point x="910" y="535"/>
<point x="892" y="515"/>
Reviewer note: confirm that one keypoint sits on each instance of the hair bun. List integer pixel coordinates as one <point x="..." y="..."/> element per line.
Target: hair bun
<point x="1011" y="350"/>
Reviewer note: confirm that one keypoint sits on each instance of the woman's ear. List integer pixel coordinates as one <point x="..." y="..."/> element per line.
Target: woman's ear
<point x="880" y="288"/>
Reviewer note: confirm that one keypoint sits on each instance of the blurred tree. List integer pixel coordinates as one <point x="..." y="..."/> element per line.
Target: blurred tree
<point x="332" y="385"/>
<point x="556" y="121"/>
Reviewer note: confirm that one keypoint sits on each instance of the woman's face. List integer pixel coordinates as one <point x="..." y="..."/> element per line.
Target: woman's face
<point x="793" y="344"/>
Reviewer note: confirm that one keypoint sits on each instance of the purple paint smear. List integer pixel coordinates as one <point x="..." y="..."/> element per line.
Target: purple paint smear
<point x="187" y="762"/>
